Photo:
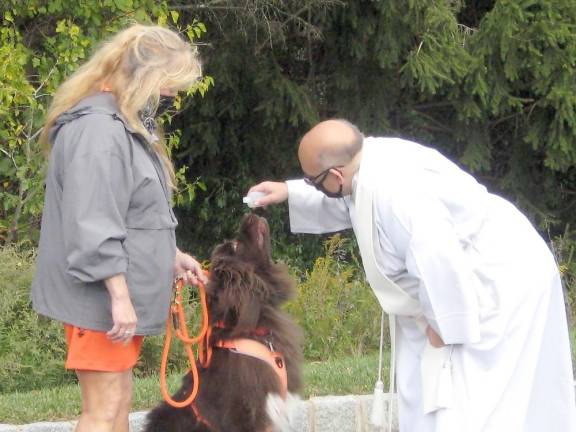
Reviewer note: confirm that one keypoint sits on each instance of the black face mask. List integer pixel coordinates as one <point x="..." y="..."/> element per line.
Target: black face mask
<point x="318" y="183"/>
<point x="148" y="116"/>
<point x="329" y="194"/>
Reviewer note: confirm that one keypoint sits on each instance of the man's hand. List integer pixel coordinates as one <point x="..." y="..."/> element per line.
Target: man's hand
<point x="190" y="269"/>
<point x="276" y="192"/>
<point x="434" y="338"/>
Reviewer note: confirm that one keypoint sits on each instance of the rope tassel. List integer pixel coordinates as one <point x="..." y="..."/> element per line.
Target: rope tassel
<point x="379" y="401"/>
<point x="377" y="414"/>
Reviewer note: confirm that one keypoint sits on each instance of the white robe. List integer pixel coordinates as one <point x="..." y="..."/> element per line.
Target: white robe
<point x="486" y="282"/>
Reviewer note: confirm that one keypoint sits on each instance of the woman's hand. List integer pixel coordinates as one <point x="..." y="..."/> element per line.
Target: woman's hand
<point x="434" y="338"/>
<point x="190" y="269"/>
<point x="123" y="313"/>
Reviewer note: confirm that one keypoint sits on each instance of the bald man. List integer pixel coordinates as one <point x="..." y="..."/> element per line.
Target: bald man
<point x="481" y="333"/>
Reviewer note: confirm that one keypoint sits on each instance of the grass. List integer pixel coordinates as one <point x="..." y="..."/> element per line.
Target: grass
<point x="334" y="377"/>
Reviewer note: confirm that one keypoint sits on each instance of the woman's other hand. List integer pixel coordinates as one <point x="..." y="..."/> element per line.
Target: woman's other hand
<point x="187" y="267"/>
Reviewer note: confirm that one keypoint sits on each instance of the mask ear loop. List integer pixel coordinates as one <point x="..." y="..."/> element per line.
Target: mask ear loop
<point x="340" y="176"/>
<point x="320" y="186"/>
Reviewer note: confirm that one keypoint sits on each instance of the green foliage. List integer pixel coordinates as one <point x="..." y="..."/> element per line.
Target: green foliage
<point x="336" y="307"/>
<point x="519" y="98"/>
<point x="21" y="175"/>
<point x="564" y="248"/>
<point x="41" y="43"/>
<point x="31" y="348"/>
<point x="332" y="306"/>
<point x="490" y="84"/>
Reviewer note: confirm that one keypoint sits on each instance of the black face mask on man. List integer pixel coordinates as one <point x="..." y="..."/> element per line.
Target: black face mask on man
<point x="318" y="183"/>
<point x="329" y="194"/>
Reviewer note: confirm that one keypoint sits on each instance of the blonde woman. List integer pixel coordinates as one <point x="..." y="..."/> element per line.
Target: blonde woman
<point x="107" y="253"/>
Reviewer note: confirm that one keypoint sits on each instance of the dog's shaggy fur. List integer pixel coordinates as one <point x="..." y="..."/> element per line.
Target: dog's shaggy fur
<point x="238" y="393"/>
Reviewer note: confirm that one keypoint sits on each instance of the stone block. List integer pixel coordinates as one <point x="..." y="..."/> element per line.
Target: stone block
<point x="49" y="427"/>
<point x="334" y="413"/>
<point x="365" y="402"/>
<point x="137" y="421"/>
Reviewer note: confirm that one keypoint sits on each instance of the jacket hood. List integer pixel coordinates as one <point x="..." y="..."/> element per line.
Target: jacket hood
<point x="99" y="103"/>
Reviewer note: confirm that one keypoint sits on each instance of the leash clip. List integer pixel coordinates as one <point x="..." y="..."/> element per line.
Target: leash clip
<point x="176" y="289"/>
<point x="268" y="341"/>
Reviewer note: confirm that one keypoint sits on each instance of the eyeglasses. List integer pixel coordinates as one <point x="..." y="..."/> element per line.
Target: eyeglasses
<point x="318" y="180"/>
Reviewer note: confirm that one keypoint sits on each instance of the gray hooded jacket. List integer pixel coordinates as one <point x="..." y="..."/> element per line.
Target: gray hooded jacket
<point x="107" y="211"/>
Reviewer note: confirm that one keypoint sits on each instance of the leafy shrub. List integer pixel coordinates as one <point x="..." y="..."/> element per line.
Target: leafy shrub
<point x="31" y="348"/>
<point x="564" y="248"/>
<point x="335" y="306"/>
<point x="34" y="61"/>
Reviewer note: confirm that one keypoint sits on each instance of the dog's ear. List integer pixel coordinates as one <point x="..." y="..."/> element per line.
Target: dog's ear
<point x="240" y="294"/>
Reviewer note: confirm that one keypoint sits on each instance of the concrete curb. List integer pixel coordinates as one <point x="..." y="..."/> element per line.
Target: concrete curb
<point x="319" y="414"/>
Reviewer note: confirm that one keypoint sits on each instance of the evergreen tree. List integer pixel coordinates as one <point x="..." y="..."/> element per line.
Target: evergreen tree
<point x="490" y="84"/>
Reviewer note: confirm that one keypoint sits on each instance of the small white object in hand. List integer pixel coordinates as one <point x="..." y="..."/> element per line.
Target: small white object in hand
<point x="251" y="198"/>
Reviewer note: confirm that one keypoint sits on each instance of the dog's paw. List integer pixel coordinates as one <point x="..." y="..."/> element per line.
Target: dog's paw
<point x="281" y="411"/>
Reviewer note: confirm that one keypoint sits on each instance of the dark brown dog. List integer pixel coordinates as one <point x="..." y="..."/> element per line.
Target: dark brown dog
<point x="240" y="393"/>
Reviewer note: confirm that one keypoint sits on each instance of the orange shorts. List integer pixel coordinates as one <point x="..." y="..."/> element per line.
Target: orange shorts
<point x="92" y="350"/>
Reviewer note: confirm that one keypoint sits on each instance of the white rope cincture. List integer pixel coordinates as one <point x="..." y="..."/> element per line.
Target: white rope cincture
<point x="392" y="386"/>
<point x="381" y="346"/>
<point x="377" y="414"/>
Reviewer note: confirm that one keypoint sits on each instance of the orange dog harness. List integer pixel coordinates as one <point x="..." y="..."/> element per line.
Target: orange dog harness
<point x="260" y="351"/>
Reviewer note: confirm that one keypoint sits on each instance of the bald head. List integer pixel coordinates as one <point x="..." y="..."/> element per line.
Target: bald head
<point x="330" y="143"/>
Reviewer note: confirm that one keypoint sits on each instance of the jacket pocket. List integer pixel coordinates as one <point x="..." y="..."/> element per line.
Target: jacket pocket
<point x="150" y="221"/>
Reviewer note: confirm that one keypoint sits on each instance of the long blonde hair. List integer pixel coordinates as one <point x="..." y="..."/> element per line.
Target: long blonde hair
<point x="135" y="64"/>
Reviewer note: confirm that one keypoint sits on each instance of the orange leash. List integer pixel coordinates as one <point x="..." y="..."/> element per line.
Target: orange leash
<point x="177" y="319"/>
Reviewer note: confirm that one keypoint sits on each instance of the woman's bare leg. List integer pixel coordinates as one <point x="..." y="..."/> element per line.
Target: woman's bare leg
<point x="106" y="399"/>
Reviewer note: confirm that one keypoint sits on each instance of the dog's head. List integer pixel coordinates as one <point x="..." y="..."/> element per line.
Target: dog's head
<point x="245" y="284"/>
